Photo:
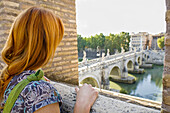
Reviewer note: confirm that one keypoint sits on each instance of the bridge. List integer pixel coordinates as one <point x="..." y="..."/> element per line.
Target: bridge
<point x="115" y="66"/>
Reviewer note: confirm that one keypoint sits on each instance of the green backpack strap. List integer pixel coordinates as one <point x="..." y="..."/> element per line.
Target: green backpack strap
<point x="18" y="88"/>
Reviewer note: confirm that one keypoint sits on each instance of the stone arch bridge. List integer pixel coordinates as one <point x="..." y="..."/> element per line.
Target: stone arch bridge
<point x="99" y="70"/>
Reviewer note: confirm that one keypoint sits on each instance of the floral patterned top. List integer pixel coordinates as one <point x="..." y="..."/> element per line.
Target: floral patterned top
<point x="35" y="95"/>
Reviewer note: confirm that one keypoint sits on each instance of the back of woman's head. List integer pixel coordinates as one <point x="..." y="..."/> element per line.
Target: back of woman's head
<point x="32" y="41"/>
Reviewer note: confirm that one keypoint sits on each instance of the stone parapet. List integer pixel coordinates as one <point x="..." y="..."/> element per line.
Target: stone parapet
<point x="105" y="104"/>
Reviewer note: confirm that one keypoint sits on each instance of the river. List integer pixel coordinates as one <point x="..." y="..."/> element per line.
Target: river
<point x="148" y="85"/>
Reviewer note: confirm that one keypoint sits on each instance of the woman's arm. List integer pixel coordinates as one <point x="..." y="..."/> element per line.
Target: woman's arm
<point x="51" y="108"/>
<point x="86" y="97"/>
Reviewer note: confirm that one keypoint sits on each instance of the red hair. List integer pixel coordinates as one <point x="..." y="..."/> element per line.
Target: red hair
<point x="32" y="41"/>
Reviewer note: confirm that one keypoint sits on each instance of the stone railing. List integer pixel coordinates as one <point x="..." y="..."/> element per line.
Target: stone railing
<point x="89" y="62"/>
<point x="98" y="60"/>
<point x="106" y="104"/>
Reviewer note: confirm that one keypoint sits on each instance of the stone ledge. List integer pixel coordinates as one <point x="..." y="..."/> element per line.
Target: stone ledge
<point x="102" y="105"/>
<point x="127" y="80"/>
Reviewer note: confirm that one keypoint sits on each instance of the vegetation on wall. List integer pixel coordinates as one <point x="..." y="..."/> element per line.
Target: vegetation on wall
<point x="111" y="42"/>
<point x="160" y="42"/>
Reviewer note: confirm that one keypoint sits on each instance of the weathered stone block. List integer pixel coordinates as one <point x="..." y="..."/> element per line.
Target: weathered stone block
<point x="61" y="63"/>
<point x="167" y="64"/>
<point x="58" y="49"/>
<point x="70" y="74"/>
<point x="63" y="53"/>
<point x="166" y="70"/>
<point x="74" y="69"/>
<point x="70" y="66"/>
<point x="69" y="39"/>
<point x="32" y="2"/>
<point x="166" y="80"/>
<point x="165" y="108"/>
<point x="57" y="59"/>
<point x="25" y="6"/>
<point x="57" y="9"/>
<point x="70" y="30"/>
<point x="10" y="3"/>
<point x="167" y="40"/>
<point x="166" y="95"/>
<point x="70" y="57"/>
<point x="65" y="70"/>
<point x="168" y="27"/>
<point x="74" y="61"/>
<point x="10" y="10"/>
<point x="69" y="48"/>
<point x="7" y="17"/>
<point x="167" y="16"/>
<point x="168" y="4"/>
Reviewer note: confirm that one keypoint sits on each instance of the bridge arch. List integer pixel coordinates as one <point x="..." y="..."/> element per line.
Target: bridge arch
<point x="115" y="71"/>
<point x="130" y="65"/>
<point x="90" y="79"/>
<point x="145" y="55"/>
<point x="139" y="60"/>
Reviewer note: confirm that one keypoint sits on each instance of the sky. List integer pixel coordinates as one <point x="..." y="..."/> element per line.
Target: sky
<point x="114" y="16"/>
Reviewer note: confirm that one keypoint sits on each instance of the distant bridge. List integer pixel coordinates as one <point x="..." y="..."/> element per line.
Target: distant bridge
<point x="99" y="70"/>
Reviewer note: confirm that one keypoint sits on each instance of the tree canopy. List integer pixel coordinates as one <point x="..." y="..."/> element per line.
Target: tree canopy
<point x="160" y="42"/>
<point x="111" y="42"/>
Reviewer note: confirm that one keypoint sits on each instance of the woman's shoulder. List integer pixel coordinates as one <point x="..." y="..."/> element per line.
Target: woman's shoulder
<point x="40" y="90"/>
<point x="35" y="95"/>
<point x="39" y="94"/>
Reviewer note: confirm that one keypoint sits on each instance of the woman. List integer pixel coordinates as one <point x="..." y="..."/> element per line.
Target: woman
<point x="32" y="41"/>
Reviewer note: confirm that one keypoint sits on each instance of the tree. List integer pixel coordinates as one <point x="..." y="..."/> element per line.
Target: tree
<point x="111" y="42"/>
<point x="125" y="40"/>
<point x="93" y="42"/>
<point x="160" y="42"/>
<point x="81" y="42"/>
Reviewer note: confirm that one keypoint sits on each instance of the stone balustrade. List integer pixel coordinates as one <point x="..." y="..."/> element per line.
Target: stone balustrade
<point x="112" y="103"/>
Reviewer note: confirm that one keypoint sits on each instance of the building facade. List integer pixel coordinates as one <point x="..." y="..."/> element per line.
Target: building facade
<point x="144" y="40"/>
<point x="139" y="40"/>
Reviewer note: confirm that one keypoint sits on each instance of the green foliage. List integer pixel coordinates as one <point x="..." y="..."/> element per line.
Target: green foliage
<point x="123" y="91"/>
<point x="80" y="60"/>
<point x="111" y="42"/>
<point x="113" y="85"/>
<point x="160" y="42"/>
<point x="81" y="42"/>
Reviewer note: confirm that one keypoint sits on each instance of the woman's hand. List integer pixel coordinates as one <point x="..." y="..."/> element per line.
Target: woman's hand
<point x="86" y="97"/>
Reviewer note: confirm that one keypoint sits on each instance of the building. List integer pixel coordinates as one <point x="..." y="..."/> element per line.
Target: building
<point x="140" y="40"/>
<point x="144" y="40"/>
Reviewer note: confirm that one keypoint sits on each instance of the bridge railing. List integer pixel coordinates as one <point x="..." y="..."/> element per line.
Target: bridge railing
<point x="89" y="62"/>
<point x="129" y="52"/>
<point x="99" y="60"/>
<point x="118" y="55"/>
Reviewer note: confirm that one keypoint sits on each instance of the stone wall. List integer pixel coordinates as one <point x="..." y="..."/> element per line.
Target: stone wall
<point x="65" y="63"/>
<point x="166" y="74"/>
<point x="108" y="104"/>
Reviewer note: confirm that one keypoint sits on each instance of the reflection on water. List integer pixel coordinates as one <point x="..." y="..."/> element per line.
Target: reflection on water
<point x="148" y="85"/>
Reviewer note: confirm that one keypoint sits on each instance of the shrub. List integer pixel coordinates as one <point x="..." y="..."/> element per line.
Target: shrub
<point x="123" y="91"/>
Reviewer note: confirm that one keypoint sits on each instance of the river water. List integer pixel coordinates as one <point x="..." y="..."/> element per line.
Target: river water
<point x="148" y="85"/>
